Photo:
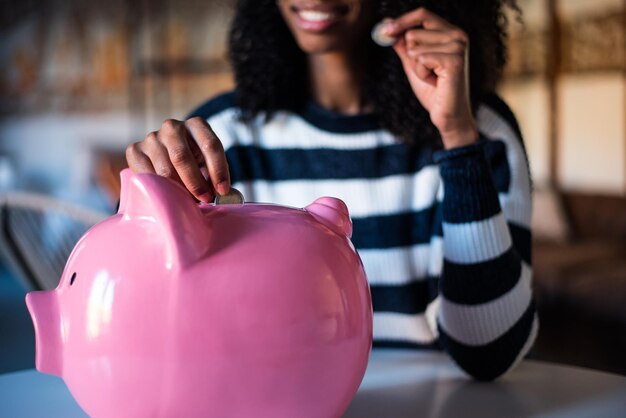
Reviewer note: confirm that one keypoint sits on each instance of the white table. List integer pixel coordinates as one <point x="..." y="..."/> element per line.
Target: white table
<point x="400" y="384"/>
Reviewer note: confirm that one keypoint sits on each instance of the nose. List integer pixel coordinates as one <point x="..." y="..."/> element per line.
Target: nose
<point x="44" y="311"/>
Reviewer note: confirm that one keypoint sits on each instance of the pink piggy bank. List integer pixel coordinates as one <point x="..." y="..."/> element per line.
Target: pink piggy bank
<point x="176" y="309"/>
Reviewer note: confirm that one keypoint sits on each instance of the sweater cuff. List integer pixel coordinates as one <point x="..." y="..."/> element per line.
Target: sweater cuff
<point x="469" y="191"/>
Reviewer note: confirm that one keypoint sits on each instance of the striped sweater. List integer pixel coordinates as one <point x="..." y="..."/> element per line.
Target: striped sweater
<point x="444" y="235"/>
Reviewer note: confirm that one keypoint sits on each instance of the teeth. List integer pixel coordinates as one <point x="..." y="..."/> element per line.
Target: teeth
<point x="315" y="16"/>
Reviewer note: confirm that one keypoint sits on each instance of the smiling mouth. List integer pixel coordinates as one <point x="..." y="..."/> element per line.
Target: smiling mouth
<point x="319" y="16"/>
<point x="315" y="16"/>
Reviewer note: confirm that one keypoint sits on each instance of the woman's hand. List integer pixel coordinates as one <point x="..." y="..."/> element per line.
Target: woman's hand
<point x="187" y="152"/>
<point x="434" y="55"/>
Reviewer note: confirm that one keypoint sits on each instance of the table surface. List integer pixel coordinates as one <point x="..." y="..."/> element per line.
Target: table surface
<point x="400" y="384"/>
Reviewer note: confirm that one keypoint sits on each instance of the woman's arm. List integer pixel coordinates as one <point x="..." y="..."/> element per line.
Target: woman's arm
<point x="486" y="316"/>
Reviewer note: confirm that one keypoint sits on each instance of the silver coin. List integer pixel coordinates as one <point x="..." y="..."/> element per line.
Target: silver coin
<point x="380" y="38"/>
<point x="234" y="197"/>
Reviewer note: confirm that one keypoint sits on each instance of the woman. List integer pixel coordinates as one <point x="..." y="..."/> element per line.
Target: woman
<point x="428" y="160"/>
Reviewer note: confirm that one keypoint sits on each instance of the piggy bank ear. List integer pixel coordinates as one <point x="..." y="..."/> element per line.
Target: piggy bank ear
<point x="125" y="176"/>
<point x="333" y="213"/>
<point x="154" y="198"/>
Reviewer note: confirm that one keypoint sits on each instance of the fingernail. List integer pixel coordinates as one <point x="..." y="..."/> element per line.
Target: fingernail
<point x="389" y="28"/>
<point x="222" y="188"/>
<point x="206" y="197"/>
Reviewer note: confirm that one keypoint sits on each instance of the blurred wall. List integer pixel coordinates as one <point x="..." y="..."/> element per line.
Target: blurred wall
<point x="566" y="83"/>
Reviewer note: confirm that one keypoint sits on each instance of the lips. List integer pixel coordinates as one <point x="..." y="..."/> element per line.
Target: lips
<point x="318" y="16"/>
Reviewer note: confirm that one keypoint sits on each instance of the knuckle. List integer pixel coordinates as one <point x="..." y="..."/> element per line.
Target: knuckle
<point x="459" y="35"/>
<point x="132" y="150"/>
<point x="220" y="175"/>
<point x="458" y="47"/>
<point x="134" y="154"/>
<point x="421" y="13"/>
<point x="165" y="171"/>
<point x="152" y="137"/>
<point x="170" y="124"/>
<point x="195" y="120"/>
<point x="212" y="146"/>
<point x="179" y="155"/>
<point x="410" y="36"/>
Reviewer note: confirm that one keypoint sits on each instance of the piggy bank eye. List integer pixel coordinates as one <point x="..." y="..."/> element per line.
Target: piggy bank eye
<point x="72" y="278"/>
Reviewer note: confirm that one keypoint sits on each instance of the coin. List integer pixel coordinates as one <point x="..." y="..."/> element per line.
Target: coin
<point x="380" y="38"/>
<point x="233" y="197"/>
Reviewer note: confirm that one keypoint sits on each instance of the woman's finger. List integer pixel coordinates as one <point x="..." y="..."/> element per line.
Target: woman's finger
<point x="437" y="61"/>
<point x="213" y="153"/>
<point x="442" y="64"/>
<point x="154" y="149"/>
<point x="175" y="140"/>
<point x="137" y="160"/>
<point x="420" y="17"/>
<point x="408" y="62"/>
<point x="446" y="48"/>
<point x="424" y="73"/>
<point x="425" y="36"/>
<point x="199" y="158"/>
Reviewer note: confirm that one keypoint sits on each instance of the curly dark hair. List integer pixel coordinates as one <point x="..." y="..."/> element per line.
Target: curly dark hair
<point x="271" y="70"/>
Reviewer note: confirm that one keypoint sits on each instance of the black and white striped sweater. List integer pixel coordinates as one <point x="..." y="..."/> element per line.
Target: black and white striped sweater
<point x="444" y="235"/>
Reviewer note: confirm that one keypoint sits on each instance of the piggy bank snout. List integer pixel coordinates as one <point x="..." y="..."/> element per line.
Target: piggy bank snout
<point x="44" y="312"/>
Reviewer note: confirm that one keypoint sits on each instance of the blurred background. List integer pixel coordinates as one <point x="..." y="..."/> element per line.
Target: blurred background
<point x="80" y="80"/>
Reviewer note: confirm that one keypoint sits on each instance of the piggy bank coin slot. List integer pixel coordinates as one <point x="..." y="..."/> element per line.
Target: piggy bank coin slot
<point x="233" y="197"/>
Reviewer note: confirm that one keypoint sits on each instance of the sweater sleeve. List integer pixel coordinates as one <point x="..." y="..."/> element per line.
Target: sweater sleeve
<point x="486" y="317"/>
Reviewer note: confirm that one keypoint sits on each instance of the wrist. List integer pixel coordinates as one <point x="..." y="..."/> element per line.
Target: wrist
<point x="460" y="136"/>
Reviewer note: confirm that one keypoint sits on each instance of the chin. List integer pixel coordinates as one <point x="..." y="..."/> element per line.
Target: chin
<point x="322" y="46"/>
